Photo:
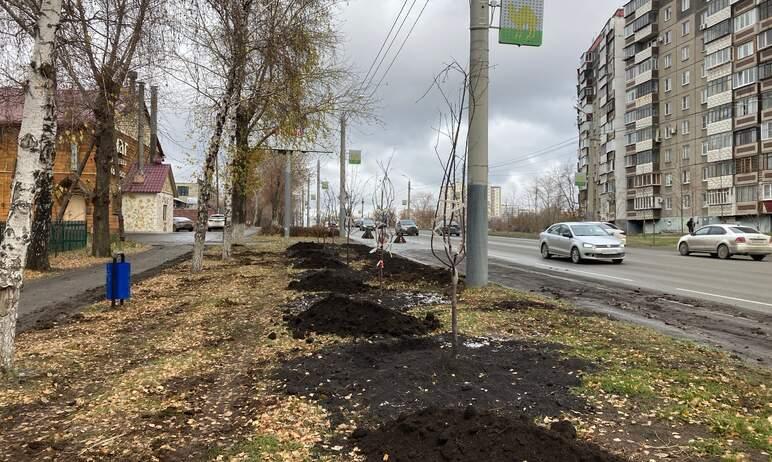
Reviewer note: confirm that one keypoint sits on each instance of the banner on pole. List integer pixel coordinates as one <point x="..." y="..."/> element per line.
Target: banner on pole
<point x="355" y="157"/>
<point x="521" y="22"/>
<point x="313" y="197"/>
<point x="404" y="202"/>
<point x="581" y="180"/>
<point x="325" y="185"/>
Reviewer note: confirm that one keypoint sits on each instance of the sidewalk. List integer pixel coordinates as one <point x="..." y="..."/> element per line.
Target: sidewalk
<point x="47" y="300"/>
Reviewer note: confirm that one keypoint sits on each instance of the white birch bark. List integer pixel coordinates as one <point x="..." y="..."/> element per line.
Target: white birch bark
<point x="37" y="139"/>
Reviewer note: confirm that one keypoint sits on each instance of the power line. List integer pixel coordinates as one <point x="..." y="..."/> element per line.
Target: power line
<point x="418" y="18"/>
<point x="386" y="39"/>
<point x="391" y="44"/>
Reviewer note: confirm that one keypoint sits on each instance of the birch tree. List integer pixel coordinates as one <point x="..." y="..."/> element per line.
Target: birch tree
<point x="36" y="145"/>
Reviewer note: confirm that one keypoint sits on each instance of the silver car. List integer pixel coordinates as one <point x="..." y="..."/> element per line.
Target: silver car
<point x="723" y="241"/>
<point x="581" y="241"/>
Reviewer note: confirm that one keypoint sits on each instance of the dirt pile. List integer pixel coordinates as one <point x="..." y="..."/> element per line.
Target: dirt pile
<point x="409" y="374"/>
<point x="399" y="269"/>
<point x="318" y="260"/>
<point x="352" y="318"/>
<point x="458" y="435"/>
<point x="339" y="281"/>
<point x="299" y="249"/>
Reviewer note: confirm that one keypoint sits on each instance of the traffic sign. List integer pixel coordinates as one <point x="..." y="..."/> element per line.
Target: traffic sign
<point x="521" y="22"/>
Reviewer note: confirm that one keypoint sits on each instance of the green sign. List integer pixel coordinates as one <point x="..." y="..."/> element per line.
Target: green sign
<point x="325" y="185"/>
<point x="581" y="180"/>
<point x="521" y="22"/>
<point x="355" y="157"/>
<point x="313" y="197"/>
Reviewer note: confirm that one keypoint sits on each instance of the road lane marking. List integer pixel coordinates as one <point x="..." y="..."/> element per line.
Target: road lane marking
<point x="559" y="269"/>
<point x="725" y="297"/>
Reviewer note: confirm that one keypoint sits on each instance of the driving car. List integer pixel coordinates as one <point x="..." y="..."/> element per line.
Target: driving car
<point x="580" y="241"/>
<point x="367" y="223"/>
<point x="724" y="241"/>
<point x="216" y="221"/>
<point x="182" y="224"/>
<point x="408" y="227"/>
<point x="613" y="230"/>
<point x="452" y="229"/>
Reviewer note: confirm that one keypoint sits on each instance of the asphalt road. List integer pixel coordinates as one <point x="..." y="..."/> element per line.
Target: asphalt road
<point x="178" y="238"/>
<point x="740" y="281"/>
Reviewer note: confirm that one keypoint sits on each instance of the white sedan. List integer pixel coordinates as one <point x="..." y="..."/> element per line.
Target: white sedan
<point x="216" y="221"/>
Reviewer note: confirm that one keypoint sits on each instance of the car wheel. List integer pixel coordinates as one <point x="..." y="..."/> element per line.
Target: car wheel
<point x="576" y="257"/>
<point x="723" y="252"/>
<point x="545" y="252"/>
<point x="618" y="261"/>
<point x="758" y="257"/>
<point x="683" y="249"/>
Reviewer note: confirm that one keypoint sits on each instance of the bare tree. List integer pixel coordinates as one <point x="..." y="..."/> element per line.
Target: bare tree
<point x="424" y="206"/>
<point x="384" y="214"/>
<point x="451" y="204"/>
<point x="37" y="142"/>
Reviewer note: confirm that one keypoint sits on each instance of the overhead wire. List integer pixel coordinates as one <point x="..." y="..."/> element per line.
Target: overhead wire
<point x="391" y="44"/>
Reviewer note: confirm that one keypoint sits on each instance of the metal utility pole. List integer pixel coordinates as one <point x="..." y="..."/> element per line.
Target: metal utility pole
<point x="318" y="193"/>
<point x="342" y="213"/>
<point x="287" y="193"/>
<point x="477" y="199"/>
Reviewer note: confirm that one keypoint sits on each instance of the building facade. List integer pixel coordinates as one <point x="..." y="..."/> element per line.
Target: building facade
<point x="494" y="202"/>
<point x="697" y="116"/>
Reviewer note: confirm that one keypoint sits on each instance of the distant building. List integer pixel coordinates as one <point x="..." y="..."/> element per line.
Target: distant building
<point x="187" y="195"/>
<point x="494" y="202"/>
<point x="148" y="199"/>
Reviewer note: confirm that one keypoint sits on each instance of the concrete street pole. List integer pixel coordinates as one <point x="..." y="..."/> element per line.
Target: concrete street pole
<point x="318" y="192"/>
<point x="408" y="199"/>
<point x="477" y="198"/>
<point x="342" y="198"/>
<point x="287" y="193"/>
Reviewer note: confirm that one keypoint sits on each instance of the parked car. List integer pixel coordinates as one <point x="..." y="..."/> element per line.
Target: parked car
<point x="408" y="227"/>
<point x="367" y="223"/>
<point x="581" y="241"/>
<point x="724" y="241"/>
<point x="358" y="224"/>
<point x="613" y="230"/>
<point x="182" y="224"/>
<point x="452" y="229"/>
<point x="216" y="221"/>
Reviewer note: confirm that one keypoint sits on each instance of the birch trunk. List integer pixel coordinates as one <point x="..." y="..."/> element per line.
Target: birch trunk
<point x="37" y="142"/>
<point x="37" y="253"/>
<point x="205" y="183"/>
<point x="227" y="230"/>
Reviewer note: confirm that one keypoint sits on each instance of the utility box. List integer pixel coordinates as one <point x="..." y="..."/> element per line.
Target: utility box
<point x="118" y="279"/>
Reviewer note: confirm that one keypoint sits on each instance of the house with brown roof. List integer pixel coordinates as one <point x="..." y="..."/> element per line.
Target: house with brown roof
<point x="75" y="144"/>
<point x="148" y="198"/>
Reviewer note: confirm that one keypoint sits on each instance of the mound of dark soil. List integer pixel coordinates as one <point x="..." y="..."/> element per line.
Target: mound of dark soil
<point x="391" y="377"/>
<point x="301" y="249"/>
<point x="399" y="269"/>
<point x="457" y="435"/>
<point x="346" y="317"/>
<point x="340" y="281"/>
<point x="318" y="260"/>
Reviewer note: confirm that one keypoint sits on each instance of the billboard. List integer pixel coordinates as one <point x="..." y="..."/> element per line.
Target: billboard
<point x="521" y="22"/>
<point x="581" y="180"/>
<point x="325" y="185"/>
<point x="354" y="157"/>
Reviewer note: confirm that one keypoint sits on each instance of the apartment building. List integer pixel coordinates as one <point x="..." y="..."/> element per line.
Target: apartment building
<point x="494" y="202"/>
<point x="697" y="117"/>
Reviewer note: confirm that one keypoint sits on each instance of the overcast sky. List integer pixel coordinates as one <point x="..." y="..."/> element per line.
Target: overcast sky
<point x="532" y="92"/>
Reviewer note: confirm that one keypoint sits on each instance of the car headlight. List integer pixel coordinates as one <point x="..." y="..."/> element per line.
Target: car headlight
<point x="622" y="245"/>
<point x="588" y="246"/>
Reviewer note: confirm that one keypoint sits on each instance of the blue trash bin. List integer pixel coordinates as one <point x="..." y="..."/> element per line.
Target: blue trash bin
<point x="118" y="280"/>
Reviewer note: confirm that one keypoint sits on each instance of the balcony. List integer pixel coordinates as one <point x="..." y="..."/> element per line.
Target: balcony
<point x="718" y="155"/>
<point x="720" y="182"/>
<point x="746" y="178"/>
<point x="746" y="208"/>
<point x="746" y="150"/>
<point x="726" y="210"/>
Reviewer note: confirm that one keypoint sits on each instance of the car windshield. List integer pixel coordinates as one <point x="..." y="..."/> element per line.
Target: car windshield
<point x="407" y="222"/>
<point x="368" y="221"/>
<point x="608" y="226"/>
<point x="588" y="230"/>
<point x="743" y="230"/>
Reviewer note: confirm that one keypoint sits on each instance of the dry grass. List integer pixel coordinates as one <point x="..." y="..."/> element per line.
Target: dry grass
<point x="81" y="258"/>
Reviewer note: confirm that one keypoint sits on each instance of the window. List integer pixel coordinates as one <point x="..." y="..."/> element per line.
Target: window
<point x="668" y="203"/>
<point x="634" y="5"/>
<point x="718" y="86"/>
<point x="685" y="103"/>
<point x="685" y="53"/>
<point x="643" y="203"/>
<point x="685" y="127"/>
<point x="685" y="5"/>
<point x="745" y="77"/>
<point x="705" y="177"/>
<point x="704" y="148"/>
<point x="668" y="179"/>
<point x="744" y="50"/>
<point x="746" y="106"/>
<point x="766" y="100"/>
<point x="704" y="122"/>
<point x="668" y="109"/>
<point x="766" y="162"/>
<point x="747" y="136"/>
<point x="717" y="31"/>
<point x="668" y="84"/>
<point x="719" y="196"/>
<point x="765" y="9"/>
<point x="668" y="13"/>
<point x="764" y="39"/>
<point x="720" y="141"/>
<point x="719" y="169"/>
<point x="747" y="193"/>
<point x="685" y="26"/>
<point x="718" y="58"/>
<point x="667" y="37"/>
<point x="745" y="165"/>
<point x="647" y="179"/>
<point x="704" y="72"/>
<point x="668" y="156"/>
<point x="686" y="176"/>
<point x="183" y="191"/>
<point x="686" y="201"/>
<point x="767" y="192"/>
<point x="645" y="157"/>
<point x="668" y="60"/>
<point x="744" y="20"/>
<point x="686" y="77"/>
<point x="717" y="114"/>
<point x="715" y="6"/>
<point x="766" y="130"/>
<point x="685" y="151"/>
<point x="765" y="70"/>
